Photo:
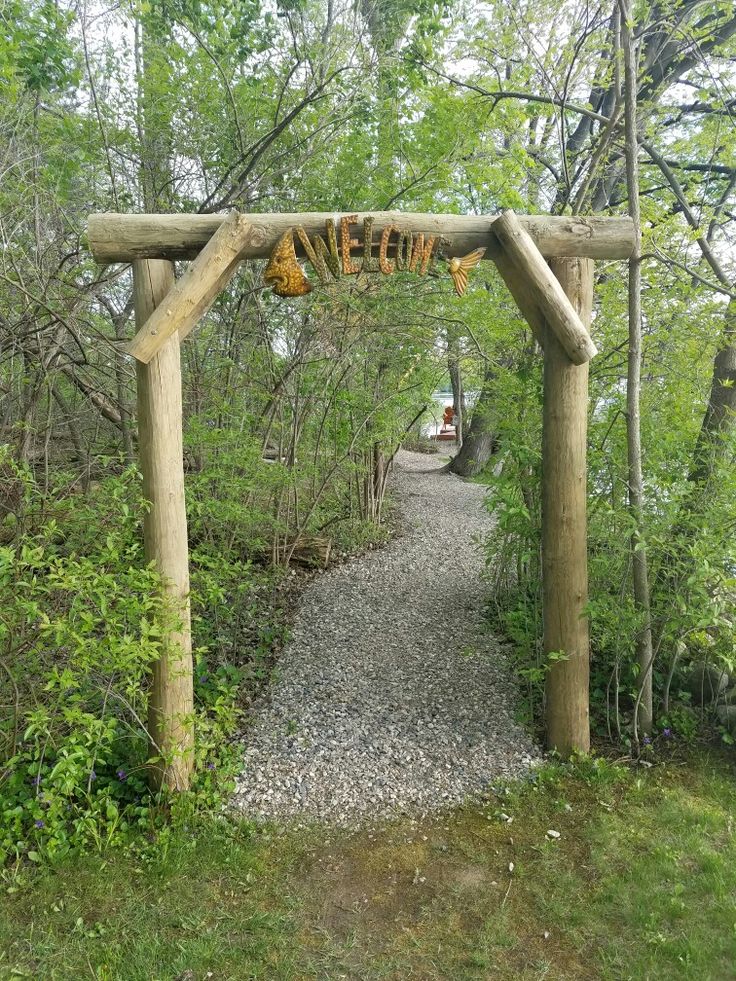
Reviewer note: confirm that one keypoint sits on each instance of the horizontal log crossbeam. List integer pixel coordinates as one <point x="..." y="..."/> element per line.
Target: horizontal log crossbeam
<point x="124" y="238"/>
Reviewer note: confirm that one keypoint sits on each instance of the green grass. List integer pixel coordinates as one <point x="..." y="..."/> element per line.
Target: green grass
<point x="641" y="884"/>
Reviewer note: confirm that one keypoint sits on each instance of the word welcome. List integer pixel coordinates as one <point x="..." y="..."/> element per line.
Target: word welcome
<point x="411" y="252"/>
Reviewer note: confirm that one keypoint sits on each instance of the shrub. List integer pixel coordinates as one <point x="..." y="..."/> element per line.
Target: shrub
<point x="80" y="633"/>
<point x="81" y="624"/>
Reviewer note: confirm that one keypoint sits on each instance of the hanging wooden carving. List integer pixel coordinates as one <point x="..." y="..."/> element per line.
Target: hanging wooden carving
<point x="283" y="272"/>
<point x="460" y="266"/>
<point x="398" y="250"/>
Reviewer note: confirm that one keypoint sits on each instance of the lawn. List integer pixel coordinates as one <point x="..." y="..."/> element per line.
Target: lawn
<point x="640" y="883"/>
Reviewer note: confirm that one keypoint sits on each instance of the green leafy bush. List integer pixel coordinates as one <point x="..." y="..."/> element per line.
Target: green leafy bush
<point x="80" y="633"/>
<point x="692" y="562"/>
<point x="81" y="624"/>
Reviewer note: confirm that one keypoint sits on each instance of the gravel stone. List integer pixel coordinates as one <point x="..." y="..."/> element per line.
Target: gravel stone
<point x="392" y="696"/>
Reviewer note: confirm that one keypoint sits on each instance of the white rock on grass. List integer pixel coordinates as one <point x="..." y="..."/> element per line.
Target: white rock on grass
<point x="392" y="697"/>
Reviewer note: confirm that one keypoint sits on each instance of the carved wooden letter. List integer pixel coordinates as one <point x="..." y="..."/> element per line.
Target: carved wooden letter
<point x="421" y="253"/>
<point x="403" y="251"/>
<point x="370" y="263"/>
<point x="386" y="265"/>
<point x="346" y="243"/>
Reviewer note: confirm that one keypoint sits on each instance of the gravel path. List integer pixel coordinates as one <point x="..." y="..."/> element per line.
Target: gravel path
<point x="391" y="695"/>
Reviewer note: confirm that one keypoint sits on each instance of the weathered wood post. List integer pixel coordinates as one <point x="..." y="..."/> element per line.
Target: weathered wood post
<point x="564" y="527"/>
<point x="171" y="705"/>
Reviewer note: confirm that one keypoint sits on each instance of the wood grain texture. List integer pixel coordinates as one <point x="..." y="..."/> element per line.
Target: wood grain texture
<point x="545" y="291"/>
<point x="171" y="702"/>
<point x="564" y="531"/>
<point x="123" y="238"/>
<point x="192" y="295"/>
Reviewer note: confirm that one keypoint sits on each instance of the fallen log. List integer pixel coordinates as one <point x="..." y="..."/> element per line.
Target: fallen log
<point x="310" y="551"/>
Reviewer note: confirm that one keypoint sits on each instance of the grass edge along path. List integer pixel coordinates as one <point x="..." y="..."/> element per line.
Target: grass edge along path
<point x="640" y="883"/>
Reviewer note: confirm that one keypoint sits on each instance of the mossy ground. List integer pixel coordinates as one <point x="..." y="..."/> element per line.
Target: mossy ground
<point x="641" y="883"/>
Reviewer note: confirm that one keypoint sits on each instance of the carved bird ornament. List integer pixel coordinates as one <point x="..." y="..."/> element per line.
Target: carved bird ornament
<point x="460" y="266"/>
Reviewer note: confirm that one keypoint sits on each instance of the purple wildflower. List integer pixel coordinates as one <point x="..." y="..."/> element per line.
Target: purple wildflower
<point x="122" y="775"/>
<point x="647" y="740"/>
<point x="210" y="766"/>
<point x="39" y="823"/>
<point x="92" y="775"/>
<point x="667" y="733"/>
<point x="36" y="780"/>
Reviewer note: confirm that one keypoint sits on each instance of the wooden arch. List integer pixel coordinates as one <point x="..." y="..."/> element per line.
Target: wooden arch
<point x="547" y="264"/>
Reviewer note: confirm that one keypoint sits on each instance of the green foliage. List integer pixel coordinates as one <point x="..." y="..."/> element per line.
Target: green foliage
<point x="645" y="853"/>
<point x="35" y="40"/>
<point x="82" y="622"/>
<point x="80" y="631"/>
<point x="293" y="407"/>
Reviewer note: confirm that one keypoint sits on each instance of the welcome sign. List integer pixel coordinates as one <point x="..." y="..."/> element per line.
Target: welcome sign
<point x="386" y="251"/>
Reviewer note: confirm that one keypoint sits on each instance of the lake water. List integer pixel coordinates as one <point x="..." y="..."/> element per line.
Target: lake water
<point x="432" y="422"/>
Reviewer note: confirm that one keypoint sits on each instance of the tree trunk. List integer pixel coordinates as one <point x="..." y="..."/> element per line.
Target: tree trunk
<point x="710" y="451"/>
<point x="720" y="413"/>
<point x="458" y="391"/>
<point x="481" y="441"/>
<point x="719" y="416"/>
<point x="119" y="323"/>
<point x="643" y="716"/>
<point x="378" y="477"/>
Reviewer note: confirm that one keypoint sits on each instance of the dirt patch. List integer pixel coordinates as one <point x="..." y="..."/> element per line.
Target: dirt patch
<point x="418" y="895"/>
<point x="368" y="885"/>
<point x="471" y="877"/>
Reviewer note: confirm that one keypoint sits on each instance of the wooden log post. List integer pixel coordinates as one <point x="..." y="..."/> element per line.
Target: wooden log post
<point x="564" y="531"/>
<point x="171" y="703"/>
